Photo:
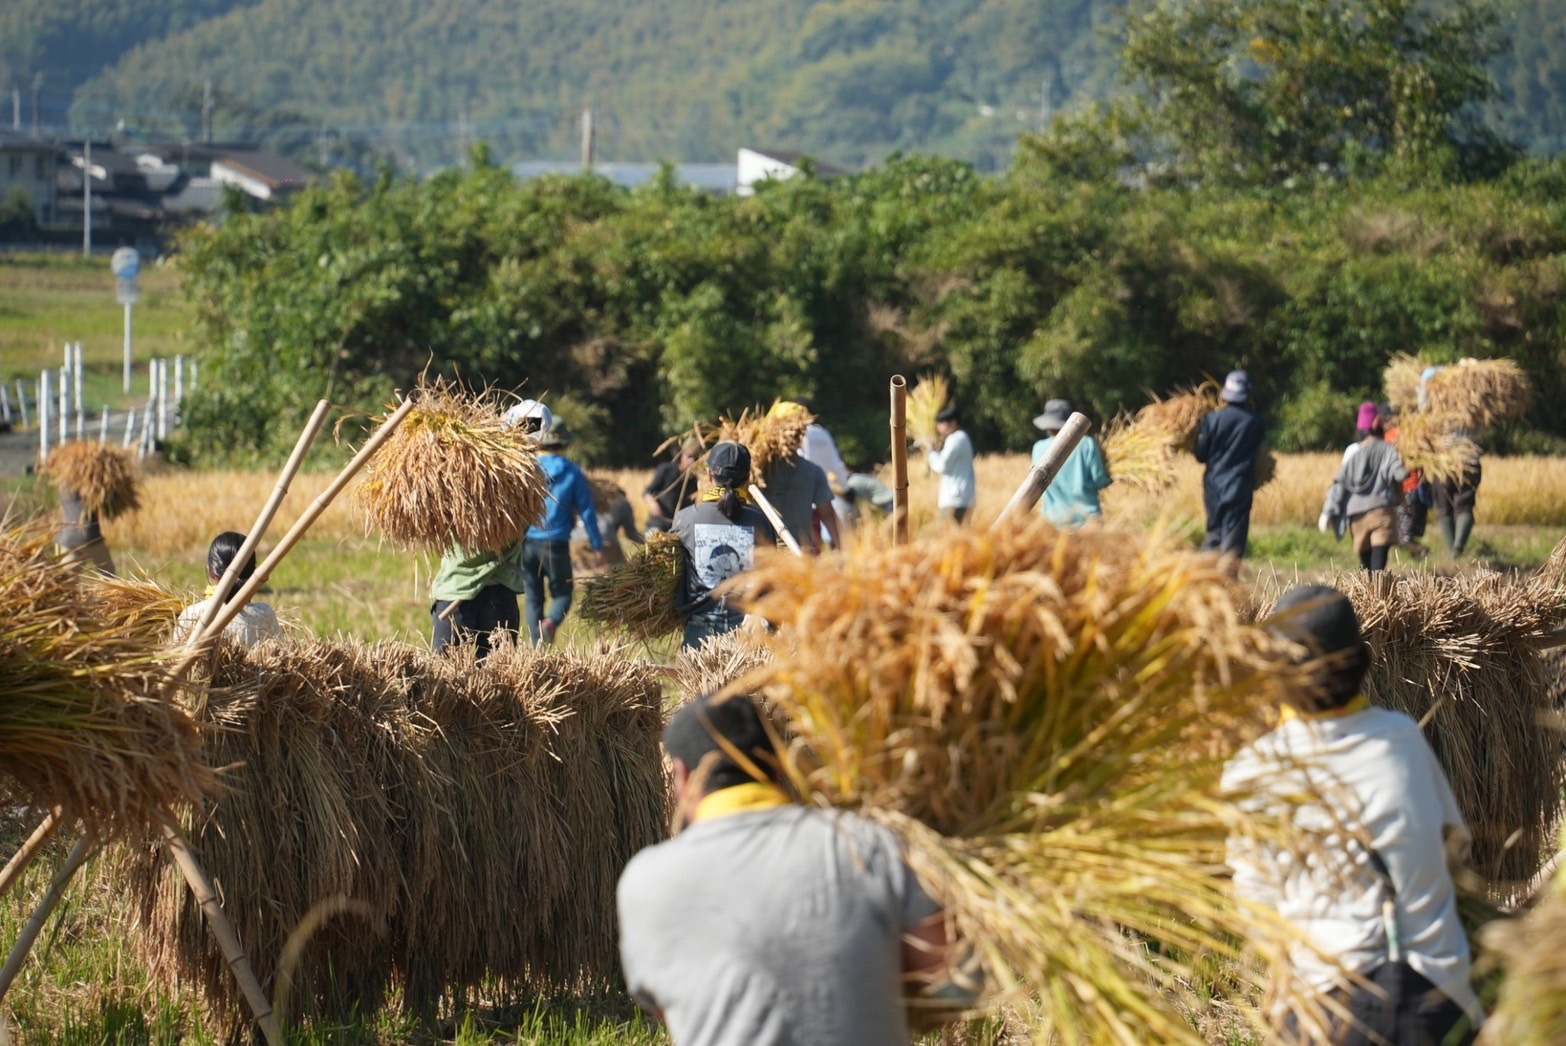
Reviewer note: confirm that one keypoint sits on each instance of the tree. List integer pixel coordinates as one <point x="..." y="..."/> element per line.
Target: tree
<point x="1259" y="91"/>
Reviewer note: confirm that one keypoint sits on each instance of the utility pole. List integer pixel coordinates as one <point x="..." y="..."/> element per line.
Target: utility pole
<point x="87" y="197"/>
<point x="37" y="86"/>
<point x="587" y="139"/>
<point x="16" y="108"/>
<point x="206" y="112"/>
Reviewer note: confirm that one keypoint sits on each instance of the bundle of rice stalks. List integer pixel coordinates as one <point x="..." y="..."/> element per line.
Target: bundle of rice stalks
<point x="773" y="436"/>
<point x="1180" y="416"/>
<point x="1532" y="1006"/>
<point x="1476" y="394"/>
<point x="1428" y="443"/>
<point x="469" y="822"/>
<point x="1044" y="716"/>
<point x="452" y="474"/>
<point x="136" y="605"/>
<point x="638" y="595"/>
<point x="1266" y="467"/>
<point x="103" y="477"/>
<point x="925" y="401"/>
<point x="1462" y="656"/>
<point x="1138" y="456"/>
<point x="1400" y="382"/>
<point x="718" y="662"/>
<point x="83" y="722"/>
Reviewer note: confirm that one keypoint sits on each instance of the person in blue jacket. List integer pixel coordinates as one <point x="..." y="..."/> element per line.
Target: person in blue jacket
<point x="546" y="553"/>
<point x="1228" y="442"/>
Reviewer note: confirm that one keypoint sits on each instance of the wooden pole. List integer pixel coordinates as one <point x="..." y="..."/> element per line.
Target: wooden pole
<point x="24" y="943"/>
<point x="899" y="460"/>
<point x="225" y="584"/>
<point x="20" y="861"/>
<point x="1043" y="474"/>
<point x="223" y="930"/>
<point x="775" y="519"/>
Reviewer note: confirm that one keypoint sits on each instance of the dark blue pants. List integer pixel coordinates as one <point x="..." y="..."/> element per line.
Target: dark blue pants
<point x="546" y="561"/>
<point x="1407" y="1010"/>
<point x="1228" y="523"/>
<point x="494" y="607"/>
<point x="715" y="622"/>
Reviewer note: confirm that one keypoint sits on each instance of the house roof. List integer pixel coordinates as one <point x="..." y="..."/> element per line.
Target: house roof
<point x="712" y="177"/>
<point x="269" y="168"/>
<point x="795" y="159"/>
<point x="18" y="143"/>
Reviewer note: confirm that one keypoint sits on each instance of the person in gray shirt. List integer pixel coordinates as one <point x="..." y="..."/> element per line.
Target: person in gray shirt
<point x="799" y="490"/>
<point x="768" y="923"/>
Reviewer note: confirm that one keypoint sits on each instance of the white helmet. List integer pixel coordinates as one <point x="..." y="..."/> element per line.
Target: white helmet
<point x="530" y="409"/>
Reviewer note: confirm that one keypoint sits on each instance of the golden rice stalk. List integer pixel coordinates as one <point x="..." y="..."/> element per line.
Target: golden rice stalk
<point x="1400" y="381"/>
<point x="925" y="401"/>
<point x="1428" y="443"/>
<point x="718" y="662"/>
<point x="1476" y="394"/>
<point x="638" y="595"/>
<point x="772" y="436"/>
<point x="136" y="604"/>
<point x="84" y="723"/>
<point x="479" y="815"/>
<point x="453" y="474"/>
<point x="1044" y="715"/>
<point x="1462" y="656"/>
<point x="1532" y="1005"/>
<point x="104" y="477"/>
<point x="1139" y="456"/>
<point x="1180" y="416"/>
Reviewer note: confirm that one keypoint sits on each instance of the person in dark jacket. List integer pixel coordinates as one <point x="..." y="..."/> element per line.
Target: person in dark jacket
<point x="721" y="533"/>
<point x="1227" y="444"/>
<point x="1454" y="506"/>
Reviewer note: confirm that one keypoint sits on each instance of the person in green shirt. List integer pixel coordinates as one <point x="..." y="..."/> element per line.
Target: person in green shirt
<point x="1072" y="499"/>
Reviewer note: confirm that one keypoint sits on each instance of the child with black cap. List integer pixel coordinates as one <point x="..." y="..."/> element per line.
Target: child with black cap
<point x="721" y="533"/>
<point x="1381" y="945"/>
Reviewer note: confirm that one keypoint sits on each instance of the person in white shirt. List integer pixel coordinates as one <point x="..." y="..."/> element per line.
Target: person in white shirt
<point x="954" y="461"/>
<point x="1381" y="946"/>
<point x="255" y="622"/>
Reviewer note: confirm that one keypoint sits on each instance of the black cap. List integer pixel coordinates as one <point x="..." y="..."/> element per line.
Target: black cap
<point x="692" y="737"/>
<point x="1322" y="618"/>
<point x="729" y="465"/>
<point x="948" y="413"/>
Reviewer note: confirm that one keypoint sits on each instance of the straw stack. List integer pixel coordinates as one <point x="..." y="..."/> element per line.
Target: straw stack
<point x="136" y="604"/>
<point x="719" y="661"/>
<point x="1428" y="442"/>
<point x="83" y="722"/>
<point x="1476" y="394"/>
<point x="1462" y="656"/>
<point x="1138" y="456"/>
<point x="925" y="401"/>
<point x="471" y="822"/>
<point x="638" y="595"/>
<point x="773" y="436"/>
<point x="453" y="473"/>
<point x="1532" y="1005"/>
<point x="1179" y="418"/>
<point x="103" y="477"/>
<point x="1044" y="716"/>
<point x="1400" y="380"/>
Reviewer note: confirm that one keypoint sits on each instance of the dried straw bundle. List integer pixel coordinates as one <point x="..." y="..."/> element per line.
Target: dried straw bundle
<point x="1400" y="381"/>
<point x="719" y="661"/>
<point x="1476" y="394"/>
<point x="1462" y="656"/>
<point x="1139" y="456"/>
<point x="452" y="474"/>
<point x="925" y="401"/>
<point x="1180" y="416"/>
<point x="477" y="817"/>
<point x="103" y="477"/>
<point x="1044" y="716"/>
<point x="83" y="722"/>
<point x="1427" y="442"/>
<point x="1532" y="1006"/>
<point x="1266" y="467"/>
<point x="135" y="605"/>
<point x="773" y="436"/>
<point x="638" y="595"/>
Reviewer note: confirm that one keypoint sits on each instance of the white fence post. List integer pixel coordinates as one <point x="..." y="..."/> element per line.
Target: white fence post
<point x="5" y="404"/>
<point x="43" y="416"/>
<point x="130" y="426"/>
<point x="103" y="427"/>
<point x="64" y="418"/>
<point x="21" y="400"/>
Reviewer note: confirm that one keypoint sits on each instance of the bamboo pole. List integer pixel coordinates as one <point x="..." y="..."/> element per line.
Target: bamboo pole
<point x="775" y="519"/>
<point x="24" y="943"/>
<point x="23" y="857"/>
<point x="263" y="520"/>
<point x="899" y="460"/>
<point x="223" y="930"/>
<point x="1040" y="476"/>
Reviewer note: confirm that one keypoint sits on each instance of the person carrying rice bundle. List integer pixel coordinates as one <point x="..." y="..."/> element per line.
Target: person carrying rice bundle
<point x="1367" y="490"/>
<point x="721" y="533"/>
<point x="673" y="485"/>
<point x="1072" y="498"/>
<point x="1381" y="942"/>
<point x="767" y="922"/>
<point x="953" y="460"/>
<point x="255" y="622"/>
<point x="1228" y="443"/>
<point x="798" y="487"/>
<point x="1454" y="504"/>
<point x="94" y="483"/>
<point x="546" y="554"/>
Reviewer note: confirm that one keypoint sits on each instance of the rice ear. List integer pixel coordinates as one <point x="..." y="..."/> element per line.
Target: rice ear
<point x="925" y="401"/>
<point x="104" y="477"/>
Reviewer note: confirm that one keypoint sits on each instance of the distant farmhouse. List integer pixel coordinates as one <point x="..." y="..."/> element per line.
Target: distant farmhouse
<point x="28" y="166"/>
<point x="752" y="167"/>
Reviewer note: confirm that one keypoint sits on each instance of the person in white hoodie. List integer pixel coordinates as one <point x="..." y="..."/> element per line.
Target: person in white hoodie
<point x="954" y="462"/>
<point x="1369" y="890"/>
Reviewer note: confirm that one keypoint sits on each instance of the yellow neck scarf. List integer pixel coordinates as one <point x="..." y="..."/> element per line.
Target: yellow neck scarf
<point x="716" y="494"/>
<point x="740" y="799"/>
<point x="1359" y="704"/>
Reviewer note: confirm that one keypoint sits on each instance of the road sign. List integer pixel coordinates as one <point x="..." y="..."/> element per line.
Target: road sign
<point x="126" y="264"/>
<point x="127" y="292"/>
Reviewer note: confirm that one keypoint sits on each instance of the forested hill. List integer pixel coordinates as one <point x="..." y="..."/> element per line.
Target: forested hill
<point x="847" y="80"/>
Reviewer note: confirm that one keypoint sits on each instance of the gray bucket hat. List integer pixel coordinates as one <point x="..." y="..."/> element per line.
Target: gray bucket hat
<point x="1056" y="413"/>
<point x="1236" y="387"/>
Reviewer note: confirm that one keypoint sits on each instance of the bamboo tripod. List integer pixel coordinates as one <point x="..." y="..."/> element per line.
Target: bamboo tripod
<point x="214" y="620"/>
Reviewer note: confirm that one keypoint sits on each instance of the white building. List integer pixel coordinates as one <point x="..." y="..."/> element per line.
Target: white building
<point x="759" y="165"/>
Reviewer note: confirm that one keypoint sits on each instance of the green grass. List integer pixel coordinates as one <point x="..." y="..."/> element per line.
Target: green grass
<point x="48" y="300"/>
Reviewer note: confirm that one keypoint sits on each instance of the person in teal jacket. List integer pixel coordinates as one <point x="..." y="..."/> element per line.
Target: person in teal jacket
<point x="1072" y="499"/>
<point x="546" y="554"/>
